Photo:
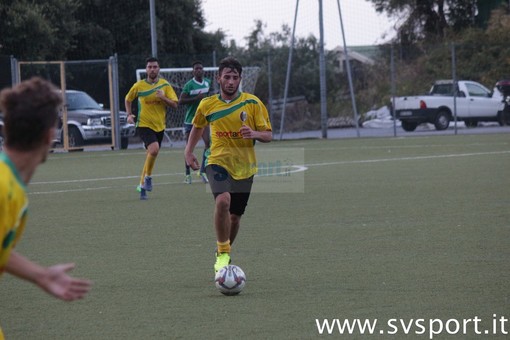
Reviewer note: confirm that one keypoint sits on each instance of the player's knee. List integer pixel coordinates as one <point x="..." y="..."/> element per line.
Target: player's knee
<point x="223" y="201"/>
<point x="153" y="149"/>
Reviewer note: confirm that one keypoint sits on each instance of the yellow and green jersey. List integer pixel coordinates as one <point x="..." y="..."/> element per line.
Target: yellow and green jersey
<point x="228" y="148"/>
<point x="13" y="208"/>
<point x="151" y="109"/>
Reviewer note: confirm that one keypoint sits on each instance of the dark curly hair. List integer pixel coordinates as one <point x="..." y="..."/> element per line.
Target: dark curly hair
<point x="231" y="63"/>
<point x="30" y="109"/>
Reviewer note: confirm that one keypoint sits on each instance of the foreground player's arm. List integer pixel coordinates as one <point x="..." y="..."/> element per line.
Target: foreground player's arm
<point x="194" y="137"/>
<point x="261" y="136"/>
<point x="54" y="280"/>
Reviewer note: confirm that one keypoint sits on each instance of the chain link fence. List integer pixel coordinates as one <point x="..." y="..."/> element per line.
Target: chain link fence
<point x="379" y="74"/>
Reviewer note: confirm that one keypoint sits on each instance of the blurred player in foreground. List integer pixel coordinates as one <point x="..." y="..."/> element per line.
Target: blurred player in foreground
<point x="30" y="119"/>
<point x="237" y="119"/>
<point x="154" y="95"/>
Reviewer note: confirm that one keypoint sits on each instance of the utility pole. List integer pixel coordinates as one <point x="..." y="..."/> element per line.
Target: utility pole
<point x="154" y="35"/>
<point x="349" y="75"/>
<point x="322" y="74"/>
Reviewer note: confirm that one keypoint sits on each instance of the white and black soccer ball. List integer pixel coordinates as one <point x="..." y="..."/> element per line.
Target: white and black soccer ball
<point x="230" y="280"/>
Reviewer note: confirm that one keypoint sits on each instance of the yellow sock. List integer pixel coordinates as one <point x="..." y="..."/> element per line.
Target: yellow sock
<point x="149" y="164"/>
<point x="147" y="167"/>
<point x="223" y="247"/>
<point x="142" y="178"/>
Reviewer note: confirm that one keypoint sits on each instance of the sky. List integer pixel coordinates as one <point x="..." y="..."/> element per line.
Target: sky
<point x="362" y="25"/>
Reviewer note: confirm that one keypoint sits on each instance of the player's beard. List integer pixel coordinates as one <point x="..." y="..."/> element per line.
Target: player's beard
<point x="153" y="76"/>
<point x="229" y="90"/>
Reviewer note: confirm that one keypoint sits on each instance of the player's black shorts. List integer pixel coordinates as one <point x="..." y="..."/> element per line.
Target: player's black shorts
<point x="149" y="136"/>
<point x="221" y="181"/>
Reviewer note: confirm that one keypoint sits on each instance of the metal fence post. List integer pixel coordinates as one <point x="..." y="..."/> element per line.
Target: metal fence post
<point x="454" y="87"/>
<point x="115" y="100"/>
<point x="392" y="77"/>
<point x="14" y="71"/>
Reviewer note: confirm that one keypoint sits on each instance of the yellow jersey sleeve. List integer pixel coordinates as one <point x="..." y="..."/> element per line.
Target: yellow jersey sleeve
<point x="13" y="209"/>
<point x="199" y="120"/>
<point x="170" y="93"/>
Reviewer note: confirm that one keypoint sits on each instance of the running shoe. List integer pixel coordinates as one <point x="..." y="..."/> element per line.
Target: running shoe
<point x="187" y="180"/>
<point x="222" y="260"/>
<point x="143" y="194"/>
<point x="147" y="183"/>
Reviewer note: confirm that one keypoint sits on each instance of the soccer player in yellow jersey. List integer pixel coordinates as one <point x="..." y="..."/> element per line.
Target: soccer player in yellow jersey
<point x="236" y="120"/>
<point x="30" y="119"/>
<point x="154" y="95"/>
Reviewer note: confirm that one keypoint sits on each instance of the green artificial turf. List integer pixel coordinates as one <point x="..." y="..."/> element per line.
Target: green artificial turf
<point x="389" y="228"/>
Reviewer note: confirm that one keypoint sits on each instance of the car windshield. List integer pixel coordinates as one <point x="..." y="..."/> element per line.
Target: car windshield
<point x="81" y="101"/>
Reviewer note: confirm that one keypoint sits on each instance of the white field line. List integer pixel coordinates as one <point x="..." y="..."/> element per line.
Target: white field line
<point x="289" y="145"/>
<point x="379" y="147"/>
<point x="297" y="168"/>
<point x="398" y="159"/>
<point x="100" y="179"/>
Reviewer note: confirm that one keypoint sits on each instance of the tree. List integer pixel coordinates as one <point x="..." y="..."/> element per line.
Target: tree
<point x="126" y="26"/>
<point x="37" y="30"/>
<point x="304" y="79"/>
<point x="420" y="20"/>
<point x="480" y="55"/>
<point x="91" y="29"/>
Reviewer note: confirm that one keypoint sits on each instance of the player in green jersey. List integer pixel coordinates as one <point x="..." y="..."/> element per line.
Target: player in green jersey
<point x="193" y="92"/>
<point x="236" y="119"/>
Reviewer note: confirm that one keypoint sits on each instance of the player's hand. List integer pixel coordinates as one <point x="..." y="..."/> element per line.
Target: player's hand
<point x="58" y="283"/>
<point x="247" y="132"/>
<point x="160" y="93"/>
<point x="192" y="161"/>
<point x="131" y="119"/>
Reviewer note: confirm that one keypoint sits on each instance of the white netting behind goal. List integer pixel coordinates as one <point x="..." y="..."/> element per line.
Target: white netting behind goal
<point x="177" y="77"/>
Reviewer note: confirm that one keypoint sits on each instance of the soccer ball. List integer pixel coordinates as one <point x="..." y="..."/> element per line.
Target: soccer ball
<point x="230" y="280"/>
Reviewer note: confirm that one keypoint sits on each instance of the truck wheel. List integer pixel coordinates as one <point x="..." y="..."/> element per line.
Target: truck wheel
<point x="442" y="120"/>
<point x="503" y="118"/>
<point x="75" y="138"/>
<point x="124" y="142"/>
<point x="471" y="123"/>
<point x="409" y="126"/>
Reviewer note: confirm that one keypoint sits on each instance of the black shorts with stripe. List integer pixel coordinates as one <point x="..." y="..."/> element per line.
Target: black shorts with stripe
<point x="220" y="181"/>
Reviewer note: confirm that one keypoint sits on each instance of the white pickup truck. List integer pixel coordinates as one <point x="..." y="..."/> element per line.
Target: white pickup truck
<point x="473" y="102"/>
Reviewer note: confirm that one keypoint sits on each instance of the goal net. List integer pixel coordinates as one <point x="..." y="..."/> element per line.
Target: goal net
<point x="177" y="77"/>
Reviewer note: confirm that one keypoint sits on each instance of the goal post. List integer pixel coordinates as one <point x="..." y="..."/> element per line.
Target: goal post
<point x="73" y="131"/>
<point x="178" y="77"/>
